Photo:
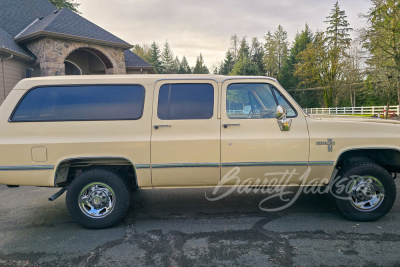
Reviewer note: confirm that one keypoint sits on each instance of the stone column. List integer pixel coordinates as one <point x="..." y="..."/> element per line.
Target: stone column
<point x="52" y="69"/>
<point x="49" y="56"/>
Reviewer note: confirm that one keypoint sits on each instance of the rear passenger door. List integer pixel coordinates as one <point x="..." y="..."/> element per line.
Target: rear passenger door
<point x="185" y="142"/>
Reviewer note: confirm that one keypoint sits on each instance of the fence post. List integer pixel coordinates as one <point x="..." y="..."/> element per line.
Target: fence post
<point x="352" y="110"/>
<point x="344" y="110"/>
<point x="398" y="110"/>
<point x="362" y="110"/>
<point x="373" y="110"/>
<point x="336" y="111"/>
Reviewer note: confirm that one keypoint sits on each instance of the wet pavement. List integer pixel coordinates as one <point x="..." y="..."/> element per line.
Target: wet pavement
<point x="180" y="227"/>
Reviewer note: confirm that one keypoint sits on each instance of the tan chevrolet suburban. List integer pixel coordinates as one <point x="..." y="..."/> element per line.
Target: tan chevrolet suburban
<point x="97" y="137"/>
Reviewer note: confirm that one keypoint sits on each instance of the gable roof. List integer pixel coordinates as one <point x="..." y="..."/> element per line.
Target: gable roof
<point x="66" y="23"/>
<point x="7" y="44"/>
<point x="16" y="15"/>
<point x="133" y="60"/>
<point x="22" y="20"/>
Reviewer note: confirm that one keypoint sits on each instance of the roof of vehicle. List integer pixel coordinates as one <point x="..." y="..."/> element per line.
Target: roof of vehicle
<point x="124" y="79"/>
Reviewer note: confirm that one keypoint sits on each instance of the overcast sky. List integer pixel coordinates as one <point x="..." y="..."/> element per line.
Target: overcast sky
<point x="205" y="26"/>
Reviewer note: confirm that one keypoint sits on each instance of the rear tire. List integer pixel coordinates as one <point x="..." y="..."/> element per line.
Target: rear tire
<point x="98" y="198"/>
<point x="370" y="192"/>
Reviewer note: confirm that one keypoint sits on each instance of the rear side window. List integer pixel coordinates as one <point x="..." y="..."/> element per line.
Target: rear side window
<point x="186" y="101"/>
<point x="81" y="103"/>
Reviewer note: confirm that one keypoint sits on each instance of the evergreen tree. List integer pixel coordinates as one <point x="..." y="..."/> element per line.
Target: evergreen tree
<point x="154" y="58"/>
<point x="70" y="4"/>
<point x="244" y="49"/>
<point x="200" y="68"/>
<point x="215" y="69"/>
<point x="244" y="66"/>
<point x="167" y="58"/>
<point x="281" y="43"/>
<point x="257" y="54"/>
<point x="275" y="51"/>
<point x="175" y="65"/>
<point x="286" y="76"/>
<point x="323" y="62"/>
<point x="270" y="55"/>
<point x="235" y="47"/>
<point x="337" y="32"/>
<point x="184" y="67"/>
<point x="228" y="64"/>
<point x="301" y="41"/>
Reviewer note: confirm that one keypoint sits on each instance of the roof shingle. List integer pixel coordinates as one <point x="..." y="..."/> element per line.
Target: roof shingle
<point x="7" y="42"/>
<point x="69" y="23"/>
<point x="133" y="60"/>
<point x="16" y="15"/>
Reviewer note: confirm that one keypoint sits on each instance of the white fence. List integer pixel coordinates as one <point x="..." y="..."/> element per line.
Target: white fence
<point x="352" y="110"/>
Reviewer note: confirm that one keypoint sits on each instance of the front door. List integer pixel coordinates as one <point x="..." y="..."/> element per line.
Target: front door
<point x="251" y="138"/>
<point x="185" y="142"/>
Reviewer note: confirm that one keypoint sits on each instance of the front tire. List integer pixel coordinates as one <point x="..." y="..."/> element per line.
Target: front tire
<point x="370" y="192"/>
<point x="98" y="198"/>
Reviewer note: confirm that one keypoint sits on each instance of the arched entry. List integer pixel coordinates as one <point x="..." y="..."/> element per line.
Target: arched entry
<point x="71" y="68"/>
<point x="86" y="61"/>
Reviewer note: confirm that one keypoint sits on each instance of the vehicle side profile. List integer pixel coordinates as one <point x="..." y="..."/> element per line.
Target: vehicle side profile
<point x="100" y="137"/>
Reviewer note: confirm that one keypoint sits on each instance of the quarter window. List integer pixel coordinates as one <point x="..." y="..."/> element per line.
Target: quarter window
<point x="185" y="101"/>
<point x="77" y="103"/>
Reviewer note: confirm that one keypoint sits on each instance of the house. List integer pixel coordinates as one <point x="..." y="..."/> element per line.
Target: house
<point x="37" y="39"/>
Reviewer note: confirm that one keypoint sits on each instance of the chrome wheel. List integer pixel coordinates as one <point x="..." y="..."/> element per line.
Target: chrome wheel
<point x="97" y="200"/>
<point x="367" y="193"/>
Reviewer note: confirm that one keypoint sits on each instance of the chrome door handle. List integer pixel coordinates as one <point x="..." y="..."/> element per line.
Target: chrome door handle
<point x="158" y="126"/>
<point x="226" y="125"/>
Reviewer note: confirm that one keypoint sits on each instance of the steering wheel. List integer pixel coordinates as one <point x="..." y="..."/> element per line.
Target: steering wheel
<point x="251" y="113"/>
<point x="268" y="115"/>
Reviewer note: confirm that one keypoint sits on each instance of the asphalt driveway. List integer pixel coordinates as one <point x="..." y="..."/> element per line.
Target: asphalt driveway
<point x="180" y="227"/>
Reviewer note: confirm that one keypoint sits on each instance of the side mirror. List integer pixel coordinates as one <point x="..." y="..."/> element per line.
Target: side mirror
<point x="281" y="112"/>
<point x="283" y="122"/>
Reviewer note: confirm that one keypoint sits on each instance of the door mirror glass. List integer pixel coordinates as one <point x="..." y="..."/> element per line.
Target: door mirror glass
<point x="281" y="112"/>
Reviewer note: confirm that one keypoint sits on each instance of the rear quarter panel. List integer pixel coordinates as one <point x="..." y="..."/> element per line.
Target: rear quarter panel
<point x="129" y="139"/>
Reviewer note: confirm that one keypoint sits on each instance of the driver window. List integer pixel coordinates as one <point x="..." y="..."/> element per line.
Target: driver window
<point x="250" y="101"/>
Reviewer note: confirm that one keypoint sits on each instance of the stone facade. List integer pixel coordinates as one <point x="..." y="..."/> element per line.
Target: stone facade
<point x="51" y="53"/>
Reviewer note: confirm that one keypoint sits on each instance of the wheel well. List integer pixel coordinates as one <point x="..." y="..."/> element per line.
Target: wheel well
<point x="69" y="169"/>
<point x="387" y="158"/>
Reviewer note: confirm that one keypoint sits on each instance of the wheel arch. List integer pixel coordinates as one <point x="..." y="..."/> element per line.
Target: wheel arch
<point x="64" y="172"/>
<point x="388" y="158"/>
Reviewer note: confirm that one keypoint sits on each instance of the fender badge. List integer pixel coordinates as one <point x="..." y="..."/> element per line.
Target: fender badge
<point x="328" y="143"/>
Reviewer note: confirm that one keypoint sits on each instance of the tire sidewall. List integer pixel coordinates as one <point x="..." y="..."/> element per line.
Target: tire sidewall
<point x="344" y="203"/>
<point x="101" y="176"/>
